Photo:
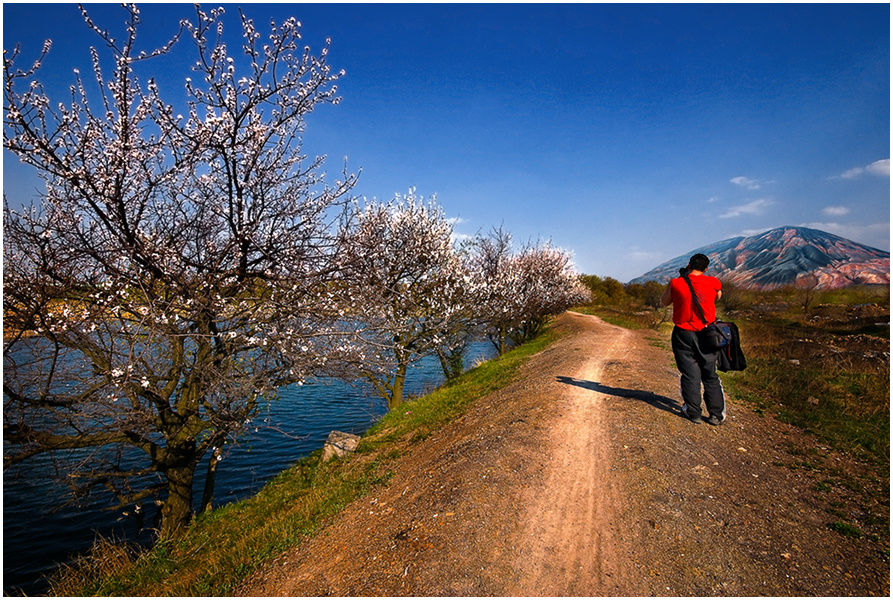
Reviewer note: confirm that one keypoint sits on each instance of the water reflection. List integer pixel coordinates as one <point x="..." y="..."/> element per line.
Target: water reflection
<point x="36" y="536"/>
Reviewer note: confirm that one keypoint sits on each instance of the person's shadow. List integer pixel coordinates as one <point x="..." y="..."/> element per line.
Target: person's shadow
<point x="655" y="400"/>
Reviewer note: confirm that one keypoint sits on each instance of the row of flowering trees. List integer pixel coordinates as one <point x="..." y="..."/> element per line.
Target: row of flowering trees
<point x="180" y="269"/>
<point x="417" y="294"/>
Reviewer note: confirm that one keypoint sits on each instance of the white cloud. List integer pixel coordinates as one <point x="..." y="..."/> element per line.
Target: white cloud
<point x="881" y="168"/>
<point x="835" y="211"/>
<point x="712" y="199"/>
<point x="753" y="232"/>
<point x="460" y="237"/>
<point x="757" y="207"/>
<point x="638" y="255"/>
<point x="745" y="182"/>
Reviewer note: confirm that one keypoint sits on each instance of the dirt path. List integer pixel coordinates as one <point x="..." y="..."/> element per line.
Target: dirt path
<point x="581" y="479"/>
<point x="568" y="546"/>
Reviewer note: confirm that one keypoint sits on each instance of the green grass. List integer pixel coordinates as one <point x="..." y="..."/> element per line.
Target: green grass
<point x="422" y="417"/>
<point x="867" y="435"/>
<point x="842" y="400"/>
<point x="223" y="547"/>
<point x="640" y="319"/>
<point x="846" y="529"/>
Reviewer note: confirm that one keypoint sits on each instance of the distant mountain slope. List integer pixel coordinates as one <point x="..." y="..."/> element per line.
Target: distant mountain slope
<point x="786" y="256"/>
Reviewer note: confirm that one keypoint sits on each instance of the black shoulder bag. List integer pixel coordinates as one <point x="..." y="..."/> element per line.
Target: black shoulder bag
<point x="720" y="337"/>
<point x="716" y="335"/>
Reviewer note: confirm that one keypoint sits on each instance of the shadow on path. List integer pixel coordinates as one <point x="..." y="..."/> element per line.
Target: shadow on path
<point x="660" y="402"/>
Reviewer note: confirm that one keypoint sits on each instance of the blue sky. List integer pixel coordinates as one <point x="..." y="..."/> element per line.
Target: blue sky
<point x="628" y="134"/>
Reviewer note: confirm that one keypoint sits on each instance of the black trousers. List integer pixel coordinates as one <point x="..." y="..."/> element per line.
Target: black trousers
<point x="697" y="369"/>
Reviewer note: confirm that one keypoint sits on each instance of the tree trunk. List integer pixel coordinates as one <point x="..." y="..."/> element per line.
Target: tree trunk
<point x="208" y="495"/>
<point x="499" y="340"/>
<point x="177" y="510"/>
<point x="452" y="363"/>
<point x="503" y="336"/>
<point x="396" y="398"/>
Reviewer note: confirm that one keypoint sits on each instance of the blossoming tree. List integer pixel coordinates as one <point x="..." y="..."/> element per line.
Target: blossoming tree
<point x="517" y="293"/>
<point x="547" y="284"/>
<point x="492" y="265"/>
<point x="177" y="269"/>
<point x="406" y="283"/>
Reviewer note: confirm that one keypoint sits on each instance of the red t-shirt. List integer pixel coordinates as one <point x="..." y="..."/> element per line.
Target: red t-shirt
<point x="706" y="287"/>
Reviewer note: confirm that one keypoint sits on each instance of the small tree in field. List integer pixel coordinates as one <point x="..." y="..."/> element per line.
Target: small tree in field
<point x="807" y="290"/>
<point x="177" y="270"/>
<point x="736" y="298"/>
<point x="406" y="285"/>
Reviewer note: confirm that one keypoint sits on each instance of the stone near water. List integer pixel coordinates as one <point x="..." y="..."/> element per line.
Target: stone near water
<point x="338" y="444"/>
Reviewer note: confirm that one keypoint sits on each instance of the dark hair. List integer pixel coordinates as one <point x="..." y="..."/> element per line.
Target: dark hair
<point x="698" y="262"/>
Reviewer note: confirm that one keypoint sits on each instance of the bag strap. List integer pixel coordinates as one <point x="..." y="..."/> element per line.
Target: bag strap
<point x="694" y="300"/>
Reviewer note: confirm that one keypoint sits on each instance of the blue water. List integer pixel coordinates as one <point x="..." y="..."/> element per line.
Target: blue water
<point x="36" y="537"/>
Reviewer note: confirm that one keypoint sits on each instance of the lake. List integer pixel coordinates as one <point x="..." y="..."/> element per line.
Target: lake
<point x="37" y="534"/>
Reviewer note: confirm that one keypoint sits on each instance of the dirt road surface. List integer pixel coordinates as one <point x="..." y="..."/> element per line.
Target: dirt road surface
<point x="582" y="479"/>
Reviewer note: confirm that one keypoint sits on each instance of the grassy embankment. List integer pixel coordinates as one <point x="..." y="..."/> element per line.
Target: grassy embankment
<point x="819" y="361"/>
<point x="226" y="545"/>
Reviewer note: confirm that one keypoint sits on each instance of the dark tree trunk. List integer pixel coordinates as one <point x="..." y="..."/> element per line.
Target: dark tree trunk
<point x="177" y="510"/>
<point x="208" y="495"/>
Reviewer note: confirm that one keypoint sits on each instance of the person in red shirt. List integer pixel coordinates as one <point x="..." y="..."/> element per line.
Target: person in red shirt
<point x="696" y="367"/>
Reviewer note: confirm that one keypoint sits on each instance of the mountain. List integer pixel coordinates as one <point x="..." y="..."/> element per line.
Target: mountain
<point x="785" y="256"/>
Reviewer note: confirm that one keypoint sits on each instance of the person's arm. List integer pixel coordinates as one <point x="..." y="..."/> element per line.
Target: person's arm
<point x="667" y="298"/>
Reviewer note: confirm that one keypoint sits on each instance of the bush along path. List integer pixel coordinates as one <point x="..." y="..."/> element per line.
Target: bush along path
<point x="581" y="478"/>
